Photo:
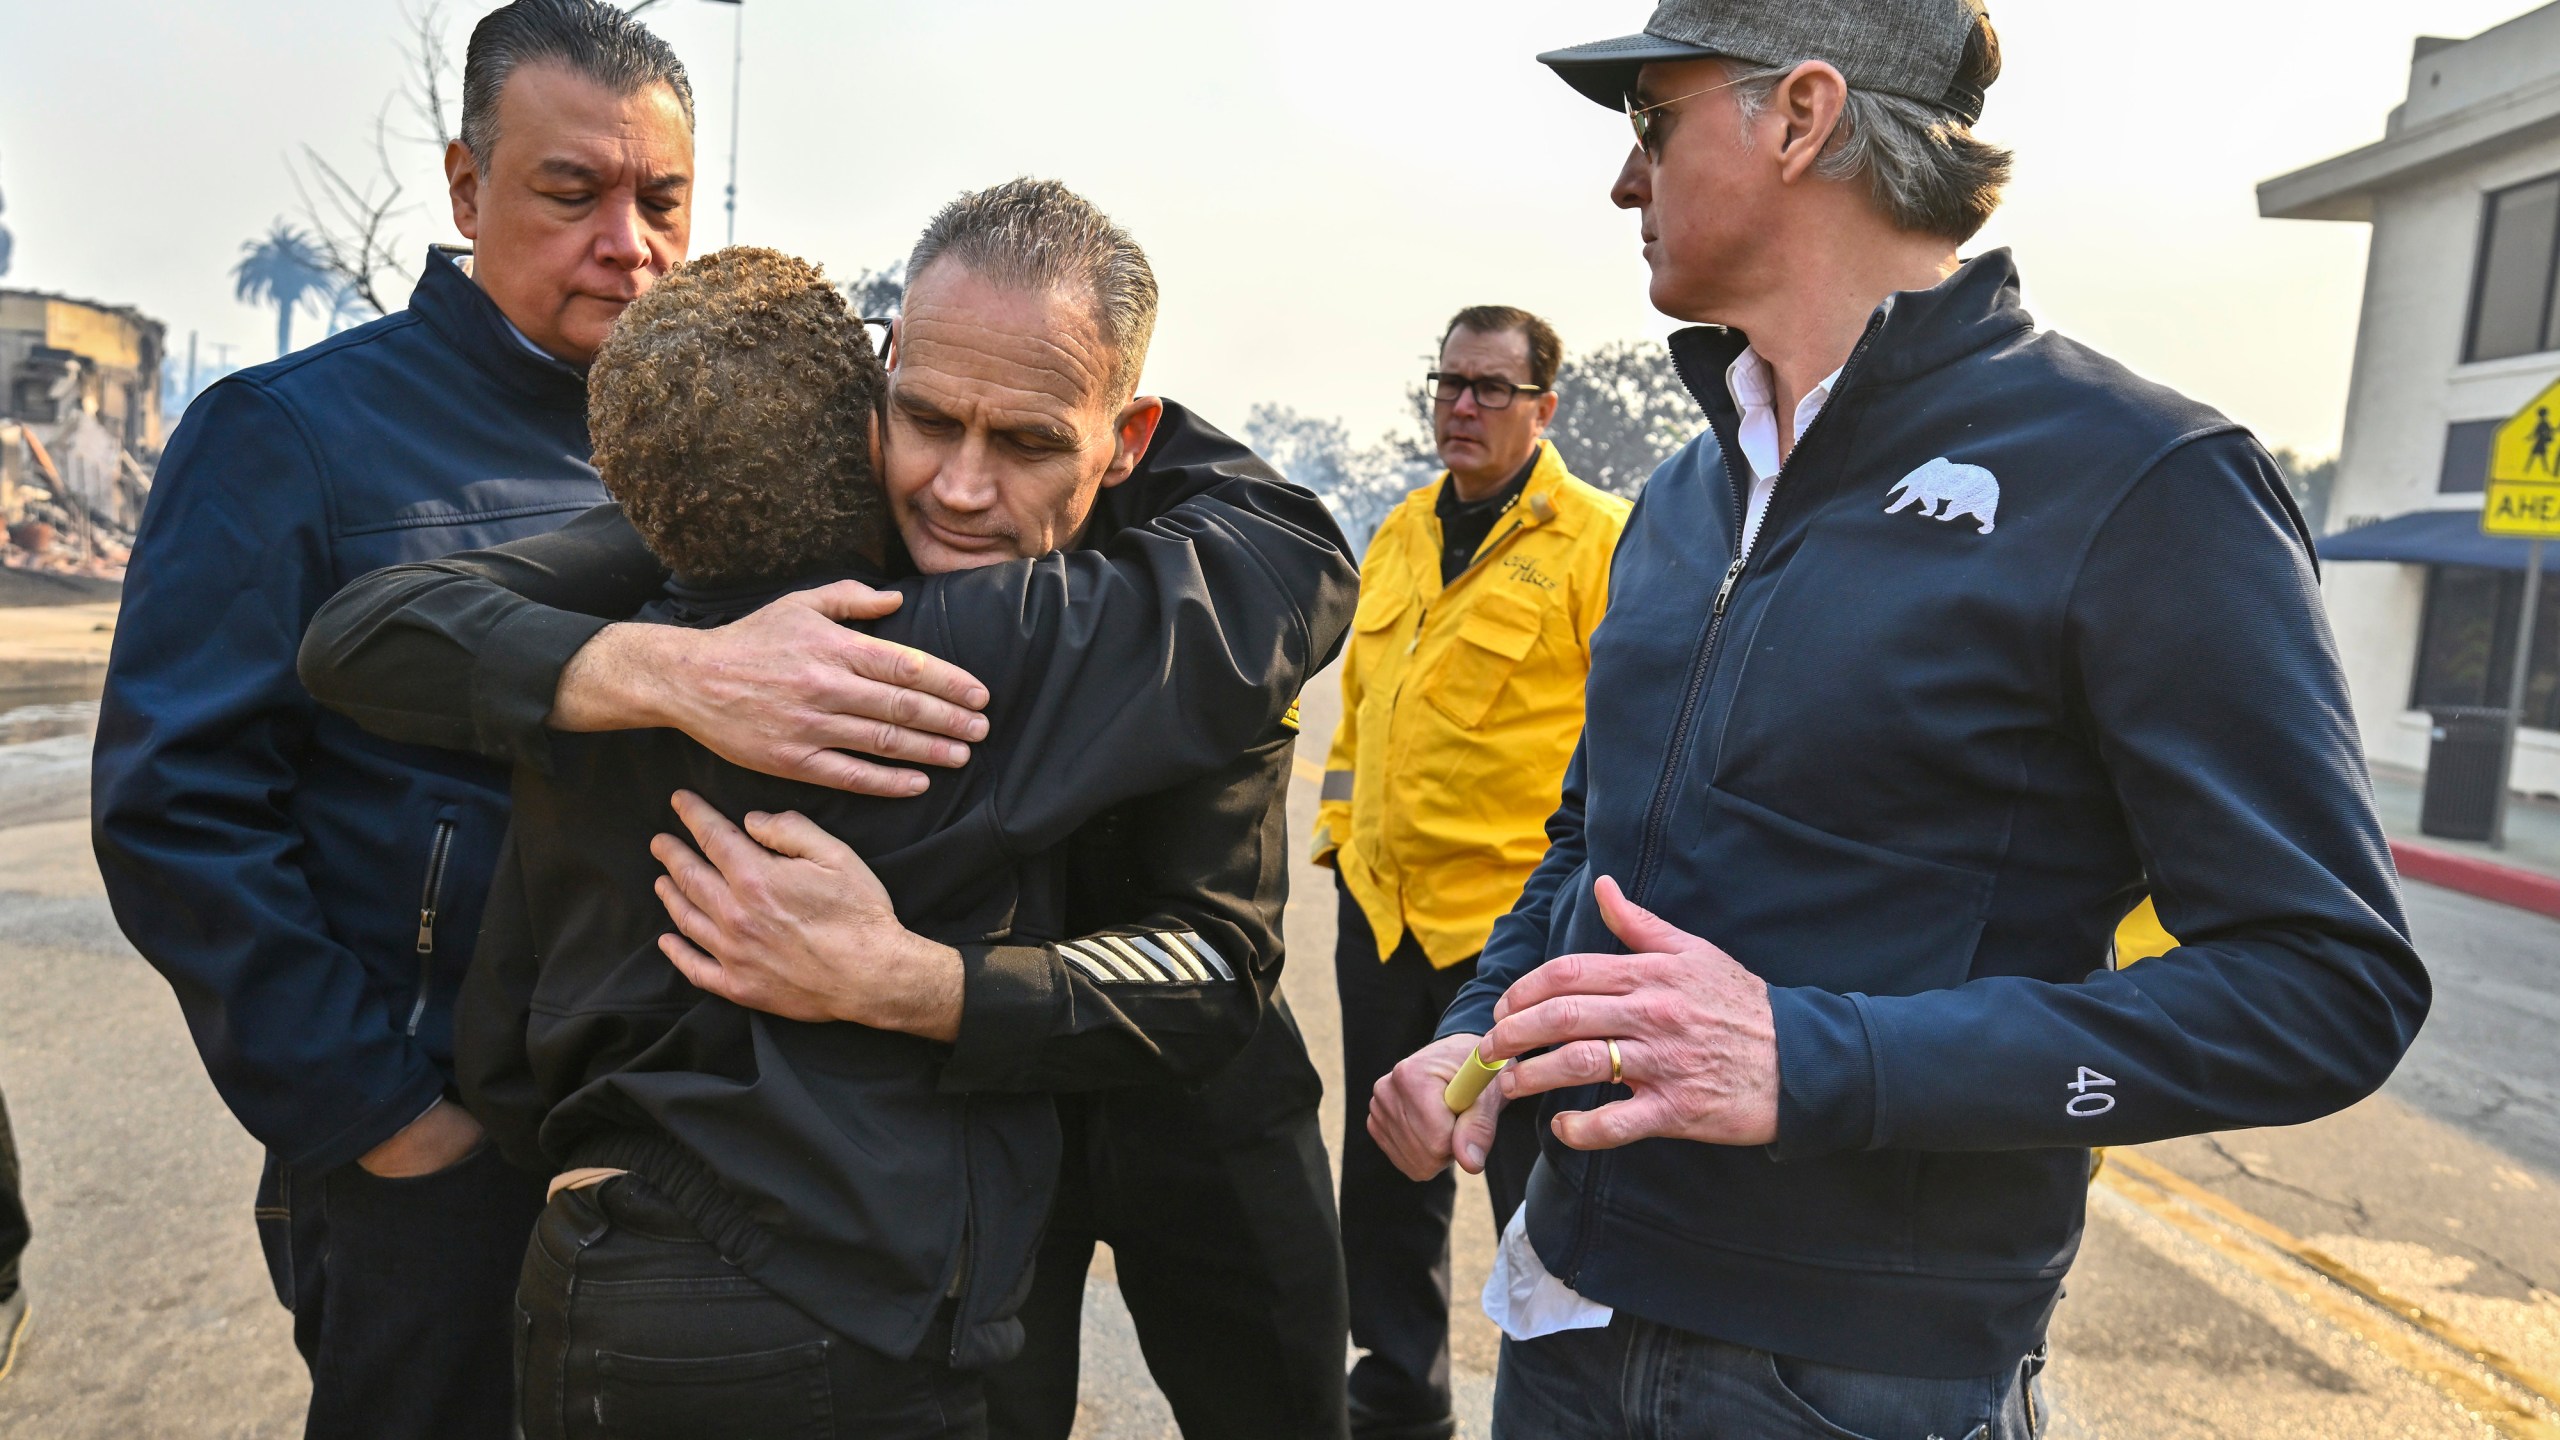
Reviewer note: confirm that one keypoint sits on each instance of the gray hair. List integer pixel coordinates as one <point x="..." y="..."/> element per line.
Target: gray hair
<point x="596" y="40"/>
<point x="1927" y="169"/>
<point x="1038" y="234"/>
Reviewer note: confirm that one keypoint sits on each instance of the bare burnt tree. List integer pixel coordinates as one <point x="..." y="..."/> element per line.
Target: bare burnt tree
<point x="352" y="221"/>
<point x="1359" y="483"/>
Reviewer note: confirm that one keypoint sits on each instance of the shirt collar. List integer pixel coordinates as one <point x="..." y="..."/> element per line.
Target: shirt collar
<point x="1755" y="387"/>
<point x="527" y="341"/>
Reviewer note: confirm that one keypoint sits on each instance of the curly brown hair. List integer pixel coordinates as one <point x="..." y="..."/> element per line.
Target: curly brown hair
<point x="732" y="410"/>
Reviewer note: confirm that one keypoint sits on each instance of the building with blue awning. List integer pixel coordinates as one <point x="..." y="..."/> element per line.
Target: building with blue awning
<point x="2460" y="328"/>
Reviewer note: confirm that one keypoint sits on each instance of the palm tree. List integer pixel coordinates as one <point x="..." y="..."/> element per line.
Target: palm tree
<point x="282" y="270"/>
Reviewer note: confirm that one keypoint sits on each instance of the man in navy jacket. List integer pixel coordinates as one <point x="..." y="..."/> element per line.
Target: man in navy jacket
<point x="311" y="892"/>
<point x="1945" y="643"/>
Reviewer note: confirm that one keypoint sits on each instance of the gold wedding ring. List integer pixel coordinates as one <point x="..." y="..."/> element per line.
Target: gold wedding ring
<point x="1617" y="1065"/>
<point x="1469" y="1083"/>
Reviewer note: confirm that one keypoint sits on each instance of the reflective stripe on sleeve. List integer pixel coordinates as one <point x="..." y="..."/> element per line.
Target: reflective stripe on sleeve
<point x="1337" y="785"/>
<point x="1171" y="958"/>
<point x="1205" y="952"/>
<point x="1164" y="957"/>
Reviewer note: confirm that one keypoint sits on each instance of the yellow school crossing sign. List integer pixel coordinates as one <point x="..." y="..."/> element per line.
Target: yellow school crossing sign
<point x="2524" y="502"/>
<point x="2524" y="472"/>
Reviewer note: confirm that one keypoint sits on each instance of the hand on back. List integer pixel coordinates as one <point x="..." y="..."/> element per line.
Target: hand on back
<point x="788" y="691"/>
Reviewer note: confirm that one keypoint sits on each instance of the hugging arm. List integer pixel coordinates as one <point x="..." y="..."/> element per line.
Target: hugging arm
<point x="1178" y="900"/>
<point x="492" y="650"/>
<point x="464" y="653"/>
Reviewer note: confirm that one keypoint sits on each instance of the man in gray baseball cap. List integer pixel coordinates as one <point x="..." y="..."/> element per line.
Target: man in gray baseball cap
<point x="1946" y="643"/>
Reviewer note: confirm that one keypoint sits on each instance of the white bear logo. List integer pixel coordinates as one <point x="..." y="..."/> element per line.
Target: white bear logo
<point x="1953" y="489"/>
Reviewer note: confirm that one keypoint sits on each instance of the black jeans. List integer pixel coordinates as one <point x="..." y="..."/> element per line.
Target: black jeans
<point x="401" y="1292"/>
<point x="631" y="1327"/>
<point x="1218" y="1206"/>
<point x="13" y="1209"/>
<point x="1395" y="1231"/>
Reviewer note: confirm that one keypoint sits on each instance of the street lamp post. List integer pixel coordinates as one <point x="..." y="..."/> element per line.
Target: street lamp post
<point x="737" y="70"/>
<point x="2516" y="692"/>
<point x="737" y="73"/>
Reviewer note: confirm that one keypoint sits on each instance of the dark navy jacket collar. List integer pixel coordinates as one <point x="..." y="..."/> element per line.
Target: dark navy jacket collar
<point x="455" y="307"/>
<point x="1911" y="334"/>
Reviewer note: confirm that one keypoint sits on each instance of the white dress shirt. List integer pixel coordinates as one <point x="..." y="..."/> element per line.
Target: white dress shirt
<point x="1520" y="1295"/>
<point x="1755" y="394"/>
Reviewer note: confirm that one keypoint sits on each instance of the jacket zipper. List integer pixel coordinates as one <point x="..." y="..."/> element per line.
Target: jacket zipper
<point x="1649" y="852"/>
<point x="430" y="899"/>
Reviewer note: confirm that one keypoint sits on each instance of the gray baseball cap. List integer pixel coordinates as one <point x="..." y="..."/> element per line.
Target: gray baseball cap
<point x="1910" y="48"/>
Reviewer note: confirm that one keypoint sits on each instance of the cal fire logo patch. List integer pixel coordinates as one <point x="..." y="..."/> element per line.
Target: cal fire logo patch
<point x="1944" y="490"/>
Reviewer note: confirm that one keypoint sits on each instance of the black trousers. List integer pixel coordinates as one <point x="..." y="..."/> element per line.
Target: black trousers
<point x="1218" y="1206"/>
<point x="401" y="1293"/>
<point x="1395" y="1231"/>
<point x="631" y="1327"/>
<point x="13" y="1209"/>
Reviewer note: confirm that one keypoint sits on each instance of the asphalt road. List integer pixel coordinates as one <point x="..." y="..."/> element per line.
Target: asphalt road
<point x="153" y="1315"/>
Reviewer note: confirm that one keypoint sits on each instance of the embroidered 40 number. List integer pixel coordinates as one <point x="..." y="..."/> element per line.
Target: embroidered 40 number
<point x="2089" y="1098"/>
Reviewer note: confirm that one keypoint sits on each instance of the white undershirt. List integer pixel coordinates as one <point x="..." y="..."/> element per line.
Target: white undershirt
<point x="1520" y="1295"/>
<point x="1755" y="394"/>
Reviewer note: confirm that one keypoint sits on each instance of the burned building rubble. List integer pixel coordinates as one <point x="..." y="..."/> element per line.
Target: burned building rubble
<point x="80" y="427"/>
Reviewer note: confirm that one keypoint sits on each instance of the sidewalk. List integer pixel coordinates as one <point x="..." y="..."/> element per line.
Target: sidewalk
<point x="2526" y="873"/>
<point x="54" y="651"/>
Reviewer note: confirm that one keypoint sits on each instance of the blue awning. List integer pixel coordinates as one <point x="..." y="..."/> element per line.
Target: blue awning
<point x="2429" y="537"/>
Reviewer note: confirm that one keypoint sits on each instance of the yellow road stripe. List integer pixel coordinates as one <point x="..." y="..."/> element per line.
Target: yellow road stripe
<point x="9" y="1343"/>
<point x="2186" y="1205"/>
<point x="1307" y="770"/>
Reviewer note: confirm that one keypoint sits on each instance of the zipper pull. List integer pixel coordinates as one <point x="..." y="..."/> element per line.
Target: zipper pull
<point x="1732" y="574"/>
<point x="426" y="932"/>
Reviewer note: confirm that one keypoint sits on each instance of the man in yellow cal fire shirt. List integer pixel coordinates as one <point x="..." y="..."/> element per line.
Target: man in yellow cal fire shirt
<point x="1461" y="705"/>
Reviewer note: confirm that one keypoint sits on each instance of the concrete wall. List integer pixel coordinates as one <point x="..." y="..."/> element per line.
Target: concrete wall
<point x="2514" y="56"/>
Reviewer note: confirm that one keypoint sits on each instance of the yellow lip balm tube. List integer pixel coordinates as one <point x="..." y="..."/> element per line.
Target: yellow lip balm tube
<point x="1469" y="1083"/>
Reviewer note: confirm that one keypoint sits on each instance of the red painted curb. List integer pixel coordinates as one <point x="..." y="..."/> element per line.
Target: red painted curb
<point x="2505" y="884"/>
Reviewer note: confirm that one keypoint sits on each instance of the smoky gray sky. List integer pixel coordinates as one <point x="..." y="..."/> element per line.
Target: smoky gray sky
<point x="1320" y="183"/>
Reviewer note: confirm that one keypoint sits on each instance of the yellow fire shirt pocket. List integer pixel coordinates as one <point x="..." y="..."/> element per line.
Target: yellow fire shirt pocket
<point x="1491" y="642"/>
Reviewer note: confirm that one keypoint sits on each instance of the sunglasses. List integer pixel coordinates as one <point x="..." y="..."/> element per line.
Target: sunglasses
<point x="1647" y="119"/>
<point x="887" y="335"/>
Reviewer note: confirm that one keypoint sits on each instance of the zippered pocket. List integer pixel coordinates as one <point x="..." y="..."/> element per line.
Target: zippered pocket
<point x="430" y="900"/>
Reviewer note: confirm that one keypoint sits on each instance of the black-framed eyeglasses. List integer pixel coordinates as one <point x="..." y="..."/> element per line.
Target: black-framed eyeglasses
<point x="1492" y="393"/>
<point x="887" y="334"/>
<point x="1645" y="119"/>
